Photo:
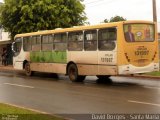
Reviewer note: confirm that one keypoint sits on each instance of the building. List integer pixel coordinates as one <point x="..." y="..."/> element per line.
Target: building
<point x="5" y="43"/>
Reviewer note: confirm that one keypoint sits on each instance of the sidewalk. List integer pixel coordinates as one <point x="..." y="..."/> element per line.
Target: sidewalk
<point x="8" y="68"/>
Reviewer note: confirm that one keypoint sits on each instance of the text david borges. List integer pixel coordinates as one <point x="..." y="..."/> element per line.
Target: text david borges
<point x="108" y="117"/>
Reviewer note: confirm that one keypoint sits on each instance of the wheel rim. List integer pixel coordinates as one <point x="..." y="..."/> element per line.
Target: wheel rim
<point x="27" y="68"/>
<point x="72" y="73"/>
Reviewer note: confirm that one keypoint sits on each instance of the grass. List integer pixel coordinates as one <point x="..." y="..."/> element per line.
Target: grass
<point x="153" y="73"/>
<point x="8" y="112"/>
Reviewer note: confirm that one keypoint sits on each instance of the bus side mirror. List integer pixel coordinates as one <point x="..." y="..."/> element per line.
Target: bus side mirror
<point x="13" y="47"/>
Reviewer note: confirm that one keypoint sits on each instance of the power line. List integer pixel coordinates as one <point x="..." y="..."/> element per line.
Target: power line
<point x="98" y="4"/>
<point x="94" y="2"/>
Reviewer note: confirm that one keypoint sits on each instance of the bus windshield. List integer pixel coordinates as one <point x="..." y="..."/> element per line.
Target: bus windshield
<point x="139" y="32"/>
<point x="16" y="46"/>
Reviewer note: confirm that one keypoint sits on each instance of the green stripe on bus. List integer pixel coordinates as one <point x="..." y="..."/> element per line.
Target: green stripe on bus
<point x="49" y="57"/>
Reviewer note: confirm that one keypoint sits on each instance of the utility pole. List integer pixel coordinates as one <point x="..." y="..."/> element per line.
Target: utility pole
<point x="154" y="11"/>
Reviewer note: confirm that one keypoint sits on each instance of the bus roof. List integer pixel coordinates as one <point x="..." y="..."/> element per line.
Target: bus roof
<point x="78" y="28"/>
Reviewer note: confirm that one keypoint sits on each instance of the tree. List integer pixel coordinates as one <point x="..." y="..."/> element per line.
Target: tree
<point x="21" y="16"/>
<point x="115" y="19"/>
<point x="106" y="21"/>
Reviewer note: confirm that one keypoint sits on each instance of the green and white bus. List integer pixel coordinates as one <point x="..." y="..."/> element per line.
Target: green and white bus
<point x="99" y="50"/>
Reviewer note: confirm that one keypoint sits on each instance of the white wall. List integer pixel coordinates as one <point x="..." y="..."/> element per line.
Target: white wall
<point x="159" y="27"/>
<point x="4" y="36"/>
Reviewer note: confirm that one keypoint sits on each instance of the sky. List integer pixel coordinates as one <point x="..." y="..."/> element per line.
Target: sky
<point x="98" y="10"/>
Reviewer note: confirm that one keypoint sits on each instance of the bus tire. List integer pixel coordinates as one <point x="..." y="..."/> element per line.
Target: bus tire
<point x="103" y="77"/>
<point x="73" y="74"/>
<point x="27" y="69"/>
<point x="81" y="78"/>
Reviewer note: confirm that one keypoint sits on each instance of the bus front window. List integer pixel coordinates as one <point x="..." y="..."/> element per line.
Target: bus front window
<point x="139" y="32"/>
<point x="16" y="46"/>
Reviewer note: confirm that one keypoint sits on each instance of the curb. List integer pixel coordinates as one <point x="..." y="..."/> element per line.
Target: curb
<point x="8" y="68"/>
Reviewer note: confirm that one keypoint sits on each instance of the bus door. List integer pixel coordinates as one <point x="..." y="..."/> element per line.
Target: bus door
<point x="82" y="50"/>
<point x="107" y="54"/>
<point x="90" y="54"/>
<point x="18" y="53"/>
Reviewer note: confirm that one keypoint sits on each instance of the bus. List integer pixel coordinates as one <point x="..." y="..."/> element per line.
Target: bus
<point x="104" y="50"/>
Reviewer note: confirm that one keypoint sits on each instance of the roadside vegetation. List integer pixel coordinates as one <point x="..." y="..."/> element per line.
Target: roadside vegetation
<point x="115" y="19"/>
<point x="8" y="112"/>
<point x="153" y="73"/>
<point x="23" y="16"/>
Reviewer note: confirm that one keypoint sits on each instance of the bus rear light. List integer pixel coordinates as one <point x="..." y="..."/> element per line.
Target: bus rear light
<point x="127" y="57"/>
<point x="154" y="56"/>
<point x="155" y="67"/>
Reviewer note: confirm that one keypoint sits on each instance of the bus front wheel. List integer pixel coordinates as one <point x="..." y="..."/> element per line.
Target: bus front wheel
<point x="73" y="74"/>
<point x="28" y="69"/>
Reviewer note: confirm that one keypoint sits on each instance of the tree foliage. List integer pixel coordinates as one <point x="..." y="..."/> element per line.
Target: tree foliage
<point x="115" y="19"/>
<point x="21" y="16"/>
<point x="106" y="21"/>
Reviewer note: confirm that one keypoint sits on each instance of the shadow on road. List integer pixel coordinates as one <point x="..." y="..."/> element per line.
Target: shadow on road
<point x="110" y="82"/>
<point x="89" y="80"/>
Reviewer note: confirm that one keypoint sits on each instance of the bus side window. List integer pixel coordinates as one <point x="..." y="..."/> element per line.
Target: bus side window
<point x="106" y="39"/>
<point x="27" y="43"/>
<point x="90" y="40"/>
<point x="36" y="43"/>
<point x="47" y="42"/>
<point x="60" y="41"/>
<point x="75" y="41"/>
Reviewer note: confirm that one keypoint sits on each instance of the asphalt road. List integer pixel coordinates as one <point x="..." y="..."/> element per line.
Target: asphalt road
<point x="60" y="96"/>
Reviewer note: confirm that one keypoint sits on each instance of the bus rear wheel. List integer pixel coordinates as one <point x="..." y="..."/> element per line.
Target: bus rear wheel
<point x="103" y="77"/>
<point x="28" y="69"/>
<point x="73" y="74"/>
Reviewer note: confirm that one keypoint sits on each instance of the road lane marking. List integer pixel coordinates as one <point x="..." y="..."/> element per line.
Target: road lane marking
<point x="152" y="87"/>
<point x="146" y="103"/>
<point x="18" y="85"/>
